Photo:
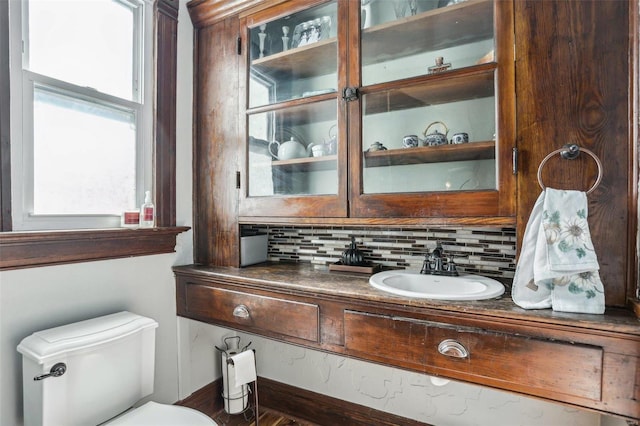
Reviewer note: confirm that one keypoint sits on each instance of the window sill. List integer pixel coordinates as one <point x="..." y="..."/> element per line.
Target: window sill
<point x="45" y="248"/>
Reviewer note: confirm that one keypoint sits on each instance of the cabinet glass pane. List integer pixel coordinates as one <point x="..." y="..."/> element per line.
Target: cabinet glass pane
<point x="422" y="115"/>
<point x="292" y="151"/>
<point x="408" y="38"/>
<point x="294" y="56"/>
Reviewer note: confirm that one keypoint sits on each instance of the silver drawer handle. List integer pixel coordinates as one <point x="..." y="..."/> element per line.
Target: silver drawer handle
<point x="241" y="311"/>
<point x="453" y="348"/>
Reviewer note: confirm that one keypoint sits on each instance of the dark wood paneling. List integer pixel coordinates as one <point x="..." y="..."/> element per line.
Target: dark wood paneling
<point x="216" y="145"/>
<point x="5" y="147"/>
<point x="30" y="249"/>
<point x="207" y="12"/>
<point x="165" y="153"/>
<point x="573" y="87"/>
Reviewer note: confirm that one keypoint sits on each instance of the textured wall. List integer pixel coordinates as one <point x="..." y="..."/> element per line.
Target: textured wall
<point x="393" y="390"/>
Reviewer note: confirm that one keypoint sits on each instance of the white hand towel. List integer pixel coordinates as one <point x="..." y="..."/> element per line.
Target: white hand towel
<point x="245" y="367"/>
<point x="558" y="266"/>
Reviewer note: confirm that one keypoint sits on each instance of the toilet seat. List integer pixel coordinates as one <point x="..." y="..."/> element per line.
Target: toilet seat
<point x="154" y="414"/>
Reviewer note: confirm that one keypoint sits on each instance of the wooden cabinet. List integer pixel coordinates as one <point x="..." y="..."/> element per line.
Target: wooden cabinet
<point x="512" y="361"/>
<point x="574" y="84"/>
<point x="317" y="92"/>
<point x="268" y="315"/>
<point x="587" y="361"/>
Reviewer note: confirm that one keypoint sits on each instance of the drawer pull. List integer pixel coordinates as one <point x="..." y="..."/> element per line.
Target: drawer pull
<point x="453" y="349"/>
<point x="241" y="311"/>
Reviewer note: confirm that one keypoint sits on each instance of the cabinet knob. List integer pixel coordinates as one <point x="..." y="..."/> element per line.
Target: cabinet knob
<point x="453" y="349"/>
<point x="241" y="311"/>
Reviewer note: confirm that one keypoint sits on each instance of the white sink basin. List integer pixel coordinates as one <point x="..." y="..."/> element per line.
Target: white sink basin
<point x="414" y="284"/>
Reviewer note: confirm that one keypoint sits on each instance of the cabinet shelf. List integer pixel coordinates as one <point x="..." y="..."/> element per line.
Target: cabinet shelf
<point x="307" y="164"/>
<point x="437" y="29"/>
<point x="433" y="30"/>
<point x="464" y="84"/>
<point x="431" y="154"/>
<point x="301" y="61"/>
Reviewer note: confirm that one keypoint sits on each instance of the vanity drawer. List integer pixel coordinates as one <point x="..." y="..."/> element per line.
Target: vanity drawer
<point x="253" y="312"/>
<point x="508" y="361"/>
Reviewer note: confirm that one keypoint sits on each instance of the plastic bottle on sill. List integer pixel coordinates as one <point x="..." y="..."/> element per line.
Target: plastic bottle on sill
<point x="147" y="212"/>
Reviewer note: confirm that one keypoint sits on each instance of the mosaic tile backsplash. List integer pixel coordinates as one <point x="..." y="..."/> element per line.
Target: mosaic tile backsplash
<point x="485" y="251"/>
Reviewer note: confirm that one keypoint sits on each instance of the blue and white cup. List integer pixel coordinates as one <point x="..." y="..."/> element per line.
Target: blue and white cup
<point x="459" y="138"/>
<point x="410" y="141"/>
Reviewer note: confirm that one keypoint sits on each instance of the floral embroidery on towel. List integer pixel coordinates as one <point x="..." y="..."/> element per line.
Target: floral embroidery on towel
<point x="584" y="282"/>
<point x="573" y="234"/>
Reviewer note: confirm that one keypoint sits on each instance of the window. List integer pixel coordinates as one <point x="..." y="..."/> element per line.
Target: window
<point x="32" y="249"/>
<point x="81" y="76"/>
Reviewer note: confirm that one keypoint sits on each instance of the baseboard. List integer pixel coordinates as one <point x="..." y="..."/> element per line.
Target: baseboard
<point x="207" y="399"/>
<point x="299" y="403"/>
<point x="323" y="409"/>
<point x="635" y="305"/>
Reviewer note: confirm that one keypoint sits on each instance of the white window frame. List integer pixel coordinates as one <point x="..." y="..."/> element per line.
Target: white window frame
<point x="23" y="82"/>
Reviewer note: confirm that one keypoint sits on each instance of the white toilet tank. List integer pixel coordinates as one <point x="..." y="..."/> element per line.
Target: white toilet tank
<point x="109" y="367"/>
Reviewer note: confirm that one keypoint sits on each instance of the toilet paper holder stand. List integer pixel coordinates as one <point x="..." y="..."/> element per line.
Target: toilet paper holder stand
<point x="233" y="348"/>
<point x="232" y="344"/>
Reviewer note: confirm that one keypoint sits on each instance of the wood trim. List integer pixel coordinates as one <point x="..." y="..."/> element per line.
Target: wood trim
<point x="30" y="249"/>
<point x="215" y="145"/>
<point x="165" y="122"/>
<point x="633" y="291"/>
<point x="5" y="147"/>
<point x="207" y="12"/>
<point x="207" y="399"/>
<point x="323" y="409"/>
<point x="300" y="403"/>
<point x="380" y="222"/>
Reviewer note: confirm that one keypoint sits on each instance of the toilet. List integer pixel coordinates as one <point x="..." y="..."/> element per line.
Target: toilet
<point x="92" y="372"/>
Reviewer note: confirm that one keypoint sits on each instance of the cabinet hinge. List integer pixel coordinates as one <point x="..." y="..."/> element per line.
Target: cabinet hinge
<point x="514" y="161"/>
<point x="237" y="180"/>
<point x="239" y="45"/>
<point x="350" y="94"/>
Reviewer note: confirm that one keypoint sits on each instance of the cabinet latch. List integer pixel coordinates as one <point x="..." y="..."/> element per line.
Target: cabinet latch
<point x="350" y="94"/>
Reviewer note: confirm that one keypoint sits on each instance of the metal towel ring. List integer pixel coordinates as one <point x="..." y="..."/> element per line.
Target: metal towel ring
<point x="570" y="152"/>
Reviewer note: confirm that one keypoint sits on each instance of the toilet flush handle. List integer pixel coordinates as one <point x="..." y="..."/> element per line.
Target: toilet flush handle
<point x="56" y="371"/>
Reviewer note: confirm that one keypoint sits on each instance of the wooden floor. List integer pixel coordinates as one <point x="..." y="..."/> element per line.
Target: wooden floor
<point x="266" y="417"/>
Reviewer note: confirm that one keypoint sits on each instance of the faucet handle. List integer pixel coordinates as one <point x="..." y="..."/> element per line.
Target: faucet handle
<point x="451" y="267"/>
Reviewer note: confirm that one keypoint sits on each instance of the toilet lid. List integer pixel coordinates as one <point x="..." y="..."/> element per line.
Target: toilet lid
<point x="154" y="414"/>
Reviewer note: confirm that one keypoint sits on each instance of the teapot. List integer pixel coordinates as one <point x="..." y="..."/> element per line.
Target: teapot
<point x="288" y="150"/>
<point x="376" y="146"/>
<point x="436" y="138"/>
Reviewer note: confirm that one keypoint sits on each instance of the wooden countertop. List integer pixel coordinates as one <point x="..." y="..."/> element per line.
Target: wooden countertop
<point x="309" y="280"/>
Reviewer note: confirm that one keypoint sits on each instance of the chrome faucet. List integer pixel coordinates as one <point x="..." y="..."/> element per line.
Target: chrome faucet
<point x="434" y="263"/>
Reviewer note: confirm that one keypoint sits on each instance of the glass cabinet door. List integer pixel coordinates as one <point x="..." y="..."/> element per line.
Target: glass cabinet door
<point x="432" y="88"/>
<point x="292" y="130"/>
